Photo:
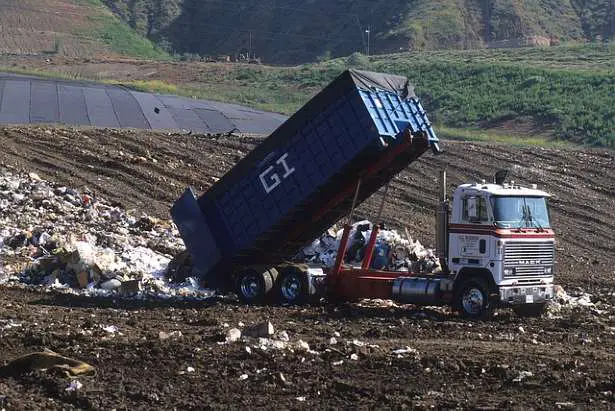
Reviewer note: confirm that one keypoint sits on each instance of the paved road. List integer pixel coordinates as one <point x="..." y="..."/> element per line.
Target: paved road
<point x="32" y="100"/>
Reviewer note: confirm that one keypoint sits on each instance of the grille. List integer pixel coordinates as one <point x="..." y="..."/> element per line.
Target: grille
<point x="528" y="258"/>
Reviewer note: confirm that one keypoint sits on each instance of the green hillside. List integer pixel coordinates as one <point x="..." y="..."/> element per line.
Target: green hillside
<point x="69" y="28"/>
<point x="560" y="93"/>
<point x="294" y="31"/>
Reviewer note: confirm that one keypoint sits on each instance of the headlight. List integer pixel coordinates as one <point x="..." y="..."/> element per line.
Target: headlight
<point x="548" y="270"/>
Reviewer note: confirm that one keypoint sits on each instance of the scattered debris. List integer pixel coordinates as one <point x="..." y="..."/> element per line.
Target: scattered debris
<point x="267" y="343"/>
<point x="302" y="345"/>
<point x="264" y="329"/>
<point x="233" y="335"/>
<point x="283" y="336"/>
<point x="523" y="375"/>
<point x="74" y="386"/>
<point x="564" y="301"/>
<point x="392" y="251"/>
<point x="46" y="360"/>
<point x="173" y="334"/>
<point x="283" y="379"/>
<point x="75" y="241"/>
<point x="405" y="350"/>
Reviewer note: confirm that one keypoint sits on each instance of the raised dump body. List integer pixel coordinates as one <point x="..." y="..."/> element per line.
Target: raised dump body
<point x="302" y="178"/>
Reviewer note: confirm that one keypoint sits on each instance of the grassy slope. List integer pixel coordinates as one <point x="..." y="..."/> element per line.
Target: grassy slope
<point x="562" y="93"/>
<point x="118" y="35"/>
<point x="73" y="28"/>
<point x="566" y="92"/>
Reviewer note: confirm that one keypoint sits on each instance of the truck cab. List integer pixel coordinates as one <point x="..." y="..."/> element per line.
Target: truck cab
<point x="500" y="235"/>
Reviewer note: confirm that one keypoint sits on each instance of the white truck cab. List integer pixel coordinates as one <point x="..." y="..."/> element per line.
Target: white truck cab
<point x="501" y="233"/>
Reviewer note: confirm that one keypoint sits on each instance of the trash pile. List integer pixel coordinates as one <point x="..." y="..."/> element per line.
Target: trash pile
<point x="563" y="301"/>
<point x="391" y="252"/>
<point x="67" y="239"/>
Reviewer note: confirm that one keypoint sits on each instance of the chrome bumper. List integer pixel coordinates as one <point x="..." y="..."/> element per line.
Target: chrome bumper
<point x="526" y="294"/>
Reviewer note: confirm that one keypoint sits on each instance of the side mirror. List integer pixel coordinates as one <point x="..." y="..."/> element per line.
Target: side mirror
<point x="473" y="208"/>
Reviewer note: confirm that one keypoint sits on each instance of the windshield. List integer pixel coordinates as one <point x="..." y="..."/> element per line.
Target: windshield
<point x="520" y="212"/>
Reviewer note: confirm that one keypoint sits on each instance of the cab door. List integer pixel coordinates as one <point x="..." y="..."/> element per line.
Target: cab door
<point x="470" y="239"/>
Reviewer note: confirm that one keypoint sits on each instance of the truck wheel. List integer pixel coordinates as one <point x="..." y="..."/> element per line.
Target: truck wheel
<point x="253" y="286"/>
<point x="472" y="299"/>
<point x="294" y="287"/>
<point x="529" y="310"/>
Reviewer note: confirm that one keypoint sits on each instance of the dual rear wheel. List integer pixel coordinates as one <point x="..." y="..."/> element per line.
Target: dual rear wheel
<point x="288" y="284"/>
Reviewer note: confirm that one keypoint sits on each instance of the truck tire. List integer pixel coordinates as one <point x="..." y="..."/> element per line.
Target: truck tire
<point x="472" y="299"/>
<point x="255" y="285"/>
<point x="294" y="287"/>
<point x="529" y="310"/>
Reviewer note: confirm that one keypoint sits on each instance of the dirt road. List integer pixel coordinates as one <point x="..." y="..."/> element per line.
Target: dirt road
<point x="404" y="358"/>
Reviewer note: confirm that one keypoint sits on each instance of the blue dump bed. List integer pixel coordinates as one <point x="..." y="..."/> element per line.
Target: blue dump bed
<point x="300" y="180"/>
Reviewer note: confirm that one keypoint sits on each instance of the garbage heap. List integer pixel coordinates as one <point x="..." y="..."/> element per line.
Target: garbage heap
<point x="392" y="252"/>
<point x="71" y="239"/>
<point x="59" y="237"/>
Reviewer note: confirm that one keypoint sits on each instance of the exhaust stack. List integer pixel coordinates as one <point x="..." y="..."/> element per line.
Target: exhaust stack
<point x="442" y="213"/>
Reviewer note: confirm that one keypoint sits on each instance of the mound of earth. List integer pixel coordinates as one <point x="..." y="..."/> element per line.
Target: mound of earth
<point x="147" y="171"/>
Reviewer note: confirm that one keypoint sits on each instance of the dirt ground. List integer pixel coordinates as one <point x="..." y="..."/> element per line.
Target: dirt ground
<point x="558" y="361"/>
<point x="122" y="69"/>
<point x="147" y="171"/>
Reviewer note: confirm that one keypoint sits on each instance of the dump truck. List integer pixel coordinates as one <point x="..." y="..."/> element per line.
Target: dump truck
<point x="494" y="240"/>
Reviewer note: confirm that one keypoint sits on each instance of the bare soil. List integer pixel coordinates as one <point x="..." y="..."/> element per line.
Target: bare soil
<point x="507" y="363"/>
<point x="44" y="29"/>
<point x="149" y="170"/>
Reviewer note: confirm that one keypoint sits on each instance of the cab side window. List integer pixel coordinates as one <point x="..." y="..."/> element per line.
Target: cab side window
<point x="475" y="209"/>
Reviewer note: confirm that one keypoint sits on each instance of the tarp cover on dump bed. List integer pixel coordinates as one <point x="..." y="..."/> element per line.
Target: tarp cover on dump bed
<point x="369" y="80"/>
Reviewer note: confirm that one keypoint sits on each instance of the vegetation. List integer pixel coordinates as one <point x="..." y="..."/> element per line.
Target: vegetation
<point x="69" y="28"/>
<point x="472" y="134"/>
<point x="575" y="104"/>
<point x="568" y="103"/>
<point x="296" y="31"/>
<point x="561" y="94"/>
<point x="119" y="36"/>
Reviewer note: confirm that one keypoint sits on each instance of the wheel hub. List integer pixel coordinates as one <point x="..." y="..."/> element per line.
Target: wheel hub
<point x="473" y="301"/>
<point x="291" y="288"/>
<point x="250" y="287"/>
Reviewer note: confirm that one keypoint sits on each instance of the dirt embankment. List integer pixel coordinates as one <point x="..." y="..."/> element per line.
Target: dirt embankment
<point x="148" y="171"/>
